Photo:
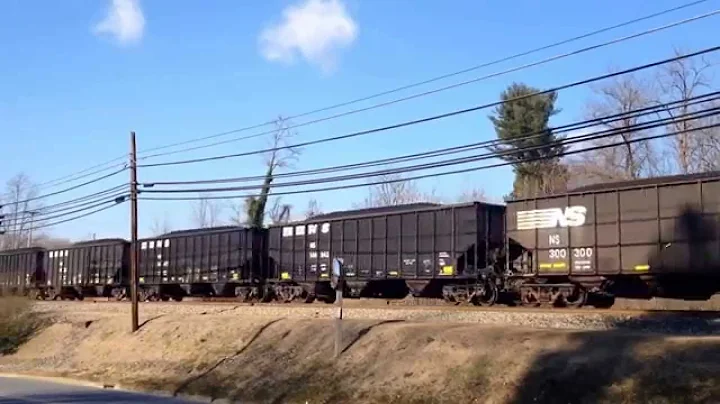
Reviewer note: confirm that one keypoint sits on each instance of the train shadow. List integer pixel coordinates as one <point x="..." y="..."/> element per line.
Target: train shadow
<point x="687" y="259"/>
<point x="626" y="366"/>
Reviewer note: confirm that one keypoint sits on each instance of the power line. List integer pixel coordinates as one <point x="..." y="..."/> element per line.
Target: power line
<point x="457" y="149"/>
<point x="464" y="160"/>
<point x="98" y="179"/>
<point x="72" y="177"/>
<point x="436" y="90"/>
<point x="431" y="80"/>
<point x="95" y="195"/>
<point x="459" y="171"/>
<point x="47" y="225"/>
<point x="117" y="199"/>
<point x="41" y="213"/>
<point x="436" y="117"/>
<point x="77" y="175"/>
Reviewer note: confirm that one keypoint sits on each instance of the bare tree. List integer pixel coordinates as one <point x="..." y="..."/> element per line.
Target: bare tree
<point x="279" y="212"/>
<point x="22" y="213"/>
<point x="632" y="159"/>
<point x="160" y="227"/>
<point x="395" y="191"/>
<point x="313" y="209"/>
<point x="680" y="81"/>
<point x="238" y="213"/>
<point x="707" y="142"/>
<point x="206" y="213"/>
<point x="473" y="195"/>
<point x="281" y="155"/>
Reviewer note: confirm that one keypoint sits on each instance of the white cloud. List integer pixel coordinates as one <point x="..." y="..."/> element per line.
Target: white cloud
<point x="316" y="29"/>
<point x="124" y="21"/>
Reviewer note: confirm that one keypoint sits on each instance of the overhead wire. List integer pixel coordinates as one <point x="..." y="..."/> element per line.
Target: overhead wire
<point x="439" y="116"/>
<point x="72" y="188"/>
<point x="73" y="177"/>
<point x="95" y="204"/>
<point x="77" y="175"/>
<point x="463" y="160"/>
<point x="428" y="81"/>
<point x="460" y="171"/>
<point x="48" y="225"/>
<point x="689" y="102"/>
<point x="42" y="212"/>
<point x="112" y="192"/>
<point x="343" y="187"/>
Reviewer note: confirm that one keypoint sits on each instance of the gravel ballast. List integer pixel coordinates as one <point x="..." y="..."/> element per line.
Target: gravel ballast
<point x="655" y="322"/>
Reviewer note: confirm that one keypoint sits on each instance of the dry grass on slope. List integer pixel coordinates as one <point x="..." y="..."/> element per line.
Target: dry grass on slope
<point x="17" y="323"/>
<point x="275" y="360"/>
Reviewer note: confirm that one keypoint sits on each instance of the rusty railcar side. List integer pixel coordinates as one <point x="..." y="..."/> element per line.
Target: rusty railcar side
<point x="388" y="251"/>
<point x="655" y="237"/>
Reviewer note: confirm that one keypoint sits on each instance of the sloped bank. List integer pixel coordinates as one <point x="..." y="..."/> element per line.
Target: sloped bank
<point x="279" y="360"/>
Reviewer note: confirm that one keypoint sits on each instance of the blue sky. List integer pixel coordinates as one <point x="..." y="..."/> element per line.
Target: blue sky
<point x="77" y="76"/>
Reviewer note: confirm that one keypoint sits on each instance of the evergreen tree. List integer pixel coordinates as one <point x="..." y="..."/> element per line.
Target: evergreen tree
<point x="524" y="134"/>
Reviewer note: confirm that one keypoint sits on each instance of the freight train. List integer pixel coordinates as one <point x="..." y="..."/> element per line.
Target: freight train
<point x="636" y="239"/>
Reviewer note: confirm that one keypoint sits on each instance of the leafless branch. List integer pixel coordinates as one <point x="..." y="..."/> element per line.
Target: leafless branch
<point x="279" y="213"/>
<point x="206" y="213"/>
<point x="680" y="81"/>
<point x="21" y="212"/>
<point x="395" y="193"/>
<point x="161" y="227"/>
<point x="630" y="160"/>
<point x="313" y="209"/>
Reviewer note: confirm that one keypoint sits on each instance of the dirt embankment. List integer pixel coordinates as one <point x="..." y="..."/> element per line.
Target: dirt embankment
<point x="285" y="360"/>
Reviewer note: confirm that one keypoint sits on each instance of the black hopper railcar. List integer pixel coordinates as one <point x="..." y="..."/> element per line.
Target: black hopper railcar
<point x="657" y="237"/>
<point x="208" y="262"/>
<point x="22" y="272"/>
<point x="94" y="268"/>
<point x="427" y="250"/>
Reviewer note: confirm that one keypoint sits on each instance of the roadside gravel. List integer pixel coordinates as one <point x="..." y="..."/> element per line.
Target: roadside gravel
<point x="666" y="323"/>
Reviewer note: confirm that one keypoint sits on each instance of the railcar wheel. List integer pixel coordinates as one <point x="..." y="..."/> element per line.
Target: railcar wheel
<point x="143" y="295"/>
<point x="528" y="297"/>
<point x="486" y="295"/>
<point x="576" y="299"/>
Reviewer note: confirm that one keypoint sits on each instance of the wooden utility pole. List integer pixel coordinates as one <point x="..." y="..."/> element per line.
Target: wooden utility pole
<point x="133" y="233"/>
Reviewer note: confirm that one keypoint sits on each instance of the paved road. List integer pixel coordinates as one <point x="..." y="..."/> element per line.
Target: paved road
<point x="24" y="391"/>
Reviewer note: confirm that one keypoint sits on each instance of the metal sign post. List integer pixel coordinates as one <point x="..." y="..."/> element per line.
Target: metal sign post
<point x="338" y="283"/>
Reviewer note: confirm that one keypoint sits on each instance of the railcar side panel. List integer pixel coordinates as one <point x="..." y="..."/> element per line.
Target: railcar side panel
<point x="104" y="264"/>
<point x="22" y="269"/>
<point x="227" y="256"/>
<point x="427" y="243"/>
<point x="652" y="229"/>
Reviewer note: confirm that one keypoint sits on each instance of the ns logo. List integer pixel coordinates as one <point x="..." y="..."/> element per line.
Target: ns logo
<point x="571" y="216"/>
